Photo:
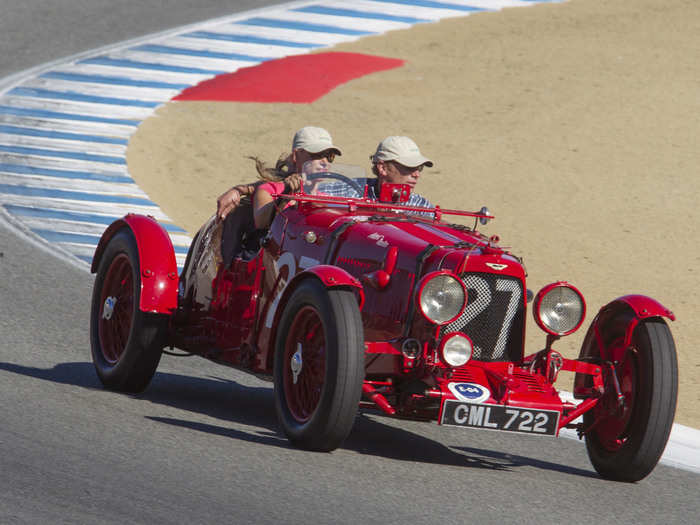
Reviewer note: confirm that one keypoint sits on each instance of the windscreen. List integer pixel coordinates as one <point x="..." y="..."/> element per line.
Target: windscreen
<point x="337" y="180"/>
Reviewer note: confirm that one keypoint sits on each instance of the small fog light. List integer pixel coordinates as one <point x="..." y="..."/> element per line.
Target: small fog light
<point x="456" y="349"/>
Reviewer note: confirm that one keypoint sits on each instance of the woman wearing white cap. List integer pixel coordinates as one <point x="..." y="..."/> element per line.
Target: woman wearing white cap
<point x="310" y="143"/>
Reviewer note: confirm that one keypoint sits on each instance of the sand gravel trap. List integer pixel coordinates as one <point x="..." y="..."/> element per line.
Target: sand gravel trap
<point x="576" y="123"/>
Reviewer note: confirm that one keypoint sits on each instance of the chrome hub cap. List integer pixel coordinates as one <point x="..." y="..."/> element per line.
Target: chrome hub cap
<point x="108" y="308"/>
<point x="296" y="364"/>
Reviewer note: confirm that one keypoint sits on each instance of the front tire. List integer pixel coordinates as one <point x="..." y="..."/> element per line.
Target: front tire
<point x="126" y="343"/>
<point x="625" y="444"/>
<point x="319" y="366"/>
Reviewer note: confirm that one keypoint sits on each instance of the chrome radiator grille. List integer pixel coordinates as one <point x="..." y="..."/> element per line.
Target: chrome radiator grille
<point x="494" y="316"/>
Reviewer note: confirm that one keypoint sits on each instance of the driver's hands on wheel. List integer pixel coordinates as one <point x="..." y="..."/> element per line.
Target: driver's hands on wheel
<point x="293" y="183"/>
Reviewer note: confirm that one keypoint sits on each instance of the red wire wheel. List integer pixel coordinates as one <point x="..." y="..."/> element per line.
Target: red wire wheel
<point x="625" y="439"/>
<point x="116" y="315"/>
<point x="613" y="427"/>
<point x="319" y="365"/>
<point x="305" y="355"/>
<point x="126" y="342"/>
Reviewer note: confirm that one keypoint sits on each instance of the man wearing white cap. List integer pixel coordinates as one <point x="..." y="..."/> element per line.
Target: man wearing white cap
<point x="310" y="143"/>
<point x="397" y="160"/>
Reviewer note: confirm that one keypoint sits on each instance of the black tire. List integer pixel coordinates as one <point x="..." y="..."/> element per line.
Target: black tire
<point x="316" y="407"/>
<point x="126" y="342"/>
<point x="626" y="445"/>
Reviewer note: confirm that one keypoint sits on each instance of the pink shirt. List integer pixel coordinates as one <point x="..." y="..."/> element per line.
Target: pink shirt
<point x="272" y="187"/>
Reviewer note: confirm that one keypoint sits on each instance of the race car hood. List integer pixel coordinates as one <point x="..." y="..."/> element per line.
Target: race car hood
<point x="406" y="249"/>
<point x="422" y="246"/>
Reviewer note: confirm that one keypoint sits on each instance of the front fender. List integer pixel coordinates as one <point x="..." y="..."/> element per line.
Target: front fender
<point x="619" y="317"/>
<point x="156" y="261"/>
<point x="642" y="306"/>
<point x="333" y="277"/>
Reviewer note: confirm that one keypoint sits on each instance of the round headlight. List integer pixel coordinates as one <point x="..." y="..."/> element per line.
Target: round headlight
<point x="441" y="297"/>
<point x="559" y="308"/>
<point x="456" y="349"/>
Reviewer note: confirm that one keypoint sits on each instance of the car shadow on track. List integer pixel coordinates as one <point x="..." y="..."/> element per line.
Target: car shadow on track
<point x="78" y="374"/>
<point x="251" y="406"/>
<point x="371" y="436"/>
<point x="511" y="461"/>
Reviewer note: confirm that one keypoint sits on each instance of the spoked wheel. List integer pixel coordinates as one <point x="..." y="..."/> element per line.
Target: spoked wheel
<point x="319" y="366"/>
<point x="304" y="350"/>
<point x="117" y="300"/>
<point x="628" y="435"/>
<point x="126" y="342"/>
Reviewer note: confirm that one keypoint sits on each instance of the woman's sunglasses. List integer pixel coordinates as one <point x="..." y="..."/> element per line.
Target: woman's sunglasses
<point x="327" y="154"/>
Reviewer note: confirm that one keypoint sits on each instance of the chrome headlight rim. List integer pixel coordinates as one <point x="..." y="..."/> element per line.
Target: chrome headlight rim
<point x="449" y="337"/>
<point x="427" y="279"/>
<point x="537" y="312"/>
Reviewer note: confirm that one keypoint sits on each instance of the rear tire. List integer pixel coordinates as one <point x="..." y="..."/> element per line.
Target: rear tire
<point x="126" y="342"/>
<point x="319" y="366"/>
<point x="626" y="444"/>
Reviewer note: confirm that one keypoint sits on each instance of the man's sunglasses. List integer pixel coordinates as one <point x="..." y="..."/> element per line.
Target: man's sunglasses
<point x="406" y="170"/>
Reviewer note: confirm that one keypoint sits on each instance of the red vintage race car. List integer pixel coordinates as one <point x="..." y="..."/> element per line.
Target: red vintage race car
<point x="346" y="302"/>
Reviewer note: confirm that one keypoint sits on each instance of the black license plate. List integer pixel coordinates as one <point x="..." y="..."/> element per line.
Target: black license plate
<point x="500" y="417"/>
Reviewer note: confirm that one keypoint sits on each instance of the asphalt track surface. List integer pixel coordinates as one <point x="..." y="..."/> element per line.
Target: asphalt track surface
<point x="201" y="445"/>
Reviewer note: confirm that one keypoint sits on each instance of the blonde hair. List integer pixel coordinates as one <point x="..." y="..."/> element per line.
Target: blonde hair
<point x="283" y="168"/>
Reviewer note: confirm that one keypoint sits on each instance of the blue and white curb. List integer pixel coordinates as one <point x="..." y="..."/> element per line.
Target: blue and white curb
<point x="65" y="126"/>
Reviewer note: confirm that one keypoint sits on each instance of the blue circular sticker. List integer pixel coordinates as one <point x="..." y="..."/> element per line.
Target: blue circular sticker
<point x="469" y="392"/>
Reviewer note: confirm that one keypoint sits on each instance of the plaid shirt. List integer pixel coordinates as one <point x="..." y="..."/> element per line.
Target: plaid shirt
<point x="342" y="189"/>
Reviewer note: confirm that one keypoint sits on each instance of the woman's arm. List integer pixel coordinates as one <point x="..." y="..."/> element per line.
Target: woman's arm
<point x="264" y="203"/>
<point x="228" y="200"/>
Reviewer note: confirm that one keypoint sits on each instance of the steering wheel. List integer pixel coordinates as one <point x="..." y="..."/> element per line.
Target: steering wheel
<point x="337" y="176"/>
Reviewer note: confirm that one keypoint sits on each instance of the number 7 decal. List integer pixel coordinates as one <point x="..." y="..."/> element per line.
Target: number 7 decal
<point x="483" y="298"/>
<point x="512" y="287"/>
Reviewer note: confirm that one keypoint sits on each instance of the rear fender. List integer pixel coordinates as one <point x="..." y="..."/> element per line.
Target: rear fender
<point x="620" y="316"/>
<point x="156" y="261"/>
<point x="330" y="276"/>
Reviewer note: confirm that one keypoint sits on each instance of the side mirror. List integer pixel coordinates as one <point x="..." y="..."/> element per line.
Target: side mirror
<point x="485" y="211"/>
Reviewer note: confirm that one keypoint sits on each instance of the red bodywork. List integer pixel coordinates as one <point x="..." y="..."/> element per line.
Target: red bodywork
<point x="230" y="313"/>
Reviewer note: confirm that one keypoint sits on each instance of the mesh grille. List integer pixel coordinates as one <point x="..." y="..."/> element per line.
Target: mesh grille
<point x="493" y="318"/>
